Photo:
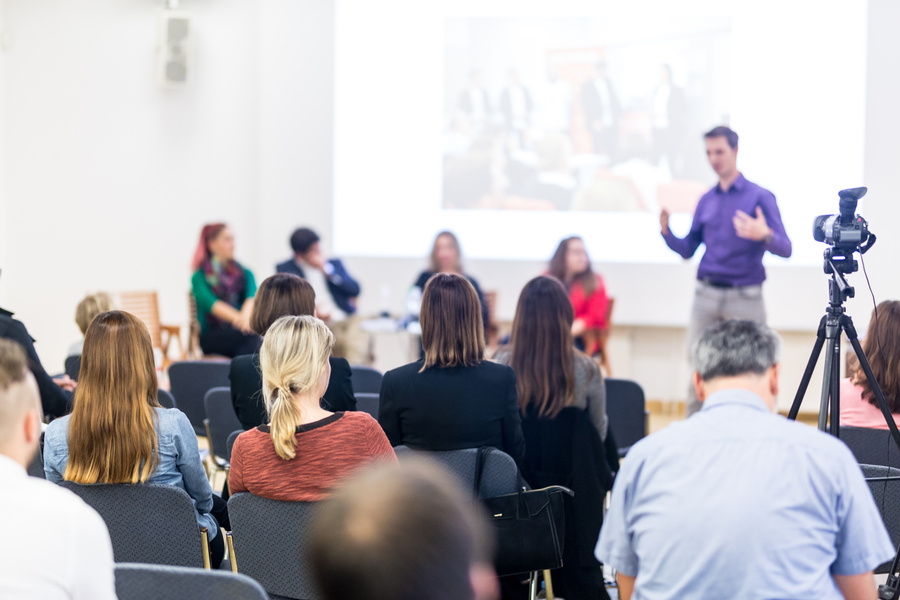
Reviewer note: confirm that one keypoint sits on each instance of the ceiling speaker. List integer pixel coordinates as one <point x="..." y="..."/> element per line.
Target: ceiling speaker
<point x="176" y="59"/>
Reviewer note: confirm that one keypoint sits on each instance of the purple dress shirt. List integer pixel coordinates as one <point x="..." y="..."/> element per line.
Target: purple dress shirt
<point x="729" y="259"/>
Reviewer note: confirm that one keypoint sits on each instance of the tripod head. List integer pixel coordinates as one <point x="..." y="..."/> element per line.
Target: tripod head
<point x="837" y="265"/>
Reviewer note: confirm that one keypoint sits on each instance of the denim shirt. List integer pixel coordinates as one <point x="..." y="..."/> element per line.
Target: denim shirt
<point x="179" y="460"/>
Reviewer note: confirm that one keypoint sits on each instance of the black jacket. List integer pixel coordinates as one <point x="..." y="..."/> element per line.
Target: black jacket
<point x="56" y="401"/>
<point x="246" y="389"/>
<point x="452" y="408"/>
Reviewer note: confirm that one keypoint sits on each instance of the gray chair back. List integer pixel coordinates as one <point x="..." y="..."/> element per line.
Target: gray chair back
<point x="871" y="446"/>
<point x="270" y="543"/>
<point x="627" y="412"/>
<point x="152" y="582"/>
<point x="73" y="366"/>
<point x="147" y="523"/>
<point x="365" y="379"/>
<point x="36" y="466"/>
<point x="222" y="420"/>
<point x="884" y="483"/>
<point x="229" y="444"/>
<point x="165" y="399"/>
<point x="369" y="403"/>
<point x="499" y="474"/>
<point x="190" y="380"/>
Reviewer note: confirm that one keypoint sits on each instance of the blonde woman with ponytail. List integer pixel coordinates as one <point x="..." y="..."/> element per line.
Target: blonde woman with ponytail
<point x="118" y="432"/>
<point x="304" y="450"/>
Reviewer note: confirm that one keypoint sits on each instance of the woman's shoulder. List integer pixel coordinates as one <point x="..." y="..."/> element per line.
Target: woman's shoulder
<point x="358" y="418"/>
<point x="58" y="428"/>
<point x="405" y="371"/>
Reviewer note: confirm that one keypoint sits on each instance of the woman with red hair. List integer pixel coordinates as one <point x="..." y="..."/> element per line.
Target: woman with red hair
<point x="224" y="292"/>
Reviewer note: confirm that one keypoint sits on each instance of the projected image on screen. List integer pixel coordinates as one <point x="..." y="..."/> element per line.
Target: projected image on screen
<point x="580" y="114"/>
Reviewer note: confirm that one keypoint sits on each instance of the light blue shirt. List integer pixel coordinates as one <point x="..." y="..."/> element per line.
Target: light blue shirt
<point x="179" y="460"/>
<point x="737" y="502"/>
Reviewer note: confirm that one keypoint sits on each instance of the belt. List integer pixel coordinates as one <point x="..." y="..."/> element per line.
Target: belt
<point x="718" y="284"/>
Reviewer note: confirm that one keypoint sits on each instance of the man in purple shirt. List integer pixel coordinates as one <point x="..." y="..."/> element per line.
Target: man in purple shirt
<point x="739" y="222"/>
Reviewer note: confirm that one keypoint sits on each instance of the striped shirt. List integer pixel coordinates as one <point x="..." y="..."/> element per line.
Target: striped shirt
<point x="328" y="450"/>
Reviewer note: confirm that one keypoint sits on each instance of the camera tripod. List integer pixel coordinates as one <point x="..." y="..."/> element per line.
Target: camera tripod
<point x="828" y="335"/>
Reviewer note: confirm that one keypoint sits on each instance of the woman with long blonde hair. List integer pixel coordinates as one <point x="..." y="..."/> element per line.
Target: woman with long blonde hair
<point x="118" y="432"/>
<point x="304" y="450"/>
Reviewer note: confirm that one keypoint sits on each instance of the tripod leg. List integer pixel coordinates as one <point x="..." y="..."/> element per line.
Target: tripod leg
<point x="847" y="324"/>
<point x="835" y="386"/>
<point x="826" y="385"/>
<point x="810" y="367"/>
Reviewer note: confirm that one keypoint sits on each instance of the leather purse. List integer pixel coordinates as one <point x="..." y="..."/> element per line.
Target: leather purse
<point x="529" y="525"/>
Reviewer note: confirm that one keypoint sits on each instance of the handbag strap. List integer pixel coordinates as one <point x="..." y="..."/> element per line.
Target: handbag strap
<point x="480" y="457"/>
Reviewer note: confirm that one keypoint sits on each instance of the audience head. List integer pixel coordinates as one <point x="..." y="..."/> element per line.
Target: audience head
<point x="570" y="264"/>
<point x="446" y="256"/>
<point x="112" y="434"/>
<point x="216" y="240"/>
<point x="452" y="328"/>
<point x="305" y="241"/>
<point x="882" y="348"/>
<point x="737" y="354"/>
<point x="20" y="405"/>
<point x="294" y="361"/>
<point x="542" y="348"/>
<point x="89" y="307"/>
<point x="401" y="532"/>
<point x="278" y="296"/>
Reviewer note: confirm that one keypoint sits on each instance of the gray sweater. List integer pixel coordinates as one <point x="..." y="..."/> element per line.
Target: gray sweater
<point x="590" y="391"/>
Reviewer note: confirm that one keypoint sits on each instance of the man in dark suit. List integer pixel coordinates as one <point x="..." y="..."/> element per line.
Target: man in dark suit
<point x="55" y="400"/>
<point x="601" y="111"/>
<point x="336" y="293"/>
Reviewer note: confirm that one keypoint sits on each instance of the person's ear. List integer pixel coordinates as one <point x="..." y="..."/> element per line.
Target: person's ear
<point x="699" y="387"/>
<point x="774" y="370"/>
<point x="32" y="427"/>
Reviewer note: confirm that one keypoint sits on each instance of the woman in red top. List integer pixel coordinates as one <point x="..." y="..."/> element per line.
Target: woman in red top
<point x="571" y="265"/>
<point x="305" y="450"/>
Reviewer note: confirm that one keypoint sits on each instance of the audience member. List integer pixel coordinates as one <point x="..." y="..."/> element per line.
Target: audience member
<point x="54" y="545"/>
<point x="859" y="408"/>
<point x="402" y="532"/>
<point x="305" y="450"/>
<point x="737" y="502"/>
<point x="56" y="394"/>
<point x="551" y="373"/>
<point x="336" y="293"/>
<point x="562" y="398"/>
<point x="602" y="110"/>
<point x="89" y="307"/>
<point x="224" y="292"/>
<point x="446" y="257"/>
<point x="282" y="295"/>
<point x="118" y="433"/>
<point x="571" y="265"/>
<point x="452" y="398"/>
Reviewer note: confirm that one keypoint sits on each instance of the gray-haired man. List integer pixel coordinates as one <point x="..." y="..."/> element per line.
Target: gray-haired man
<point x="737" y="502"/>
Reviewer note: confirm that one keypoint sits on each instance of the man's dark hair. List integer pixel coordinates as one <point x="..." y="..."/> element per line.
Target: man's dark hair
<point x="398" y="532"/>
<point x="734" y="348"/>
<point x="722" y="131"/>
<point x="302" y="239"/>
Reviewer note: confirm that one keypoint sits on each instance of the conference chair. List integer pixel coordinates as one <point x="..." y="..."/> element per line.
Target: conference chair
<point x="165" y="399"/>
<point x="190" y="380"/>
<point x="499" y="474"/>
<point x="626" y="409"/>
<point x="152" y="582"/>
<point x="884" y="483"/>
<point x="220" y="421"/>
<point x="36" y="466"/>
<point x="145" y="306"/>
<point x="229" y="445"/>
<point x="268" y="543"/>
<point x="148" y="523"/>
<point x="369" y="403"/>
<point x="73" y="366"/>
<point x="365" y="379"/>
<point x="871" y="446"/>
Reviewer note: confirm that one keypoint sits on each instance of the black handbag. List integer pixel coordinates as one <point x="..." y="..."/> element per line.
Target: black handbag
<point x="529" y="525"/>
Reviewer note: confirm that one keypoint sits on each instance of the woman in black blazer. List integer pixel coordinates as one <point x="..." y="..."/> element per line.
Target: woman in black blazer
<point x="452" y="398"/>
<point x="280" y="295"/>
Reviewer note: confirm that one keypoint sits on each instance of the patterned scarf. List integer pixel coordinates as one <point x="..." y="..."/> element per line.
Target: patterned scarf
<point x="228" y="283"/>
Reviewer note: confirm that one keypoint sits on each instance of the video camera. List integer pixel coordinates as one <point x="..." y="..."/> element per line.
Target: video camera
<point x="847" y="232"/>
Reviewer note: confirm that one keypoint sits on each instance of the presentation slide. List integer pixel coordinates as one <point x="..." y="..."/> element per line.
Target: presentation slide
<point x="517" y="124"/>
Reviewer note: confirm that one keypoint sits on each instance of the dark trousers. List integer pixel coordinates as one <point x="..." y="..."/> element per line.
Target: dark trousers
<point x="227" y="341"/>
<point x="217" y="544"/>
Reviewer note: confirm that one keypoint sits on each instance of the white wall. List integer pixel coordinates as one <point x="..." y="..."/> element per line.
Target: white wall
<point x="106" y="178"/>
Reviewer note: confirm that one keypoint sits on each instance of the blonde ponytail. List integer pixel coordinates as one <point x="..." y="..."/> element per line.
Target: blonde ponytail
<point x="293" y="358"/>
